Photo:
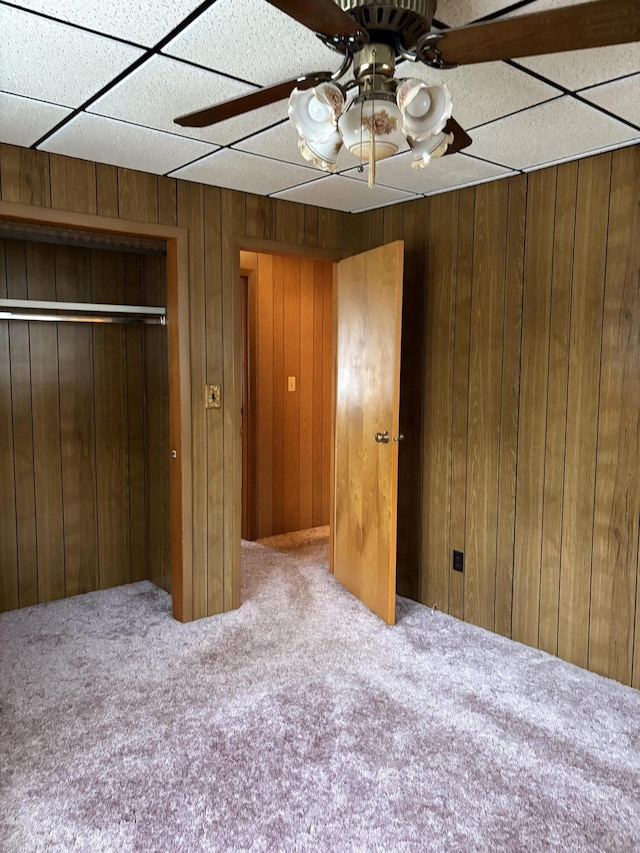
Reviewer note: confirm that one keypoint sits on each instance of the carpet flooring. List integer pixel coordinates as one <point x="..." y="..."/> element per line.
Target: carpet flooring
<point x="300" y="722"/>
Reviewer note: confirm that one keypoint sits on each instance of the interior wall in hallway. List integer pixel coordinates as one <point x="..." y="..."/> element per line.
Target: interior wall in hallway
<point x="290" y="335"/>
<point x="84" y="444"/>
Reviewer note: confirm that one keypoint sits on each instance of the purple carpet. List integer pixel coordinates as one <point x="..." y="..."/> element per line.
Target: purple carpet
<point x="301" y="722"/>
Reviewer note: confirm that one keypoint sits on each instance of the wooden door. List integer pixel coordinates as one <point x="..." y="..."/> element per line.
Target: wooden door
<point x="368" y="312"/>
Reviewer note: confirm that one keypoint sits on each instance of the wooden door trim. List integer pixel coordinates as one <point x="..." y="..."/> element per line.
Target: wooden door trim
<point x="176" y="240"/>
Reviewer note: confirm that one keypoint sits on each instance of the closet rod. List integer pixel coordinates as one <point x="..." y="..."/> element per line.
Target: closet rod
<point x="105" y="307"/>
<point x="70" y="318"/>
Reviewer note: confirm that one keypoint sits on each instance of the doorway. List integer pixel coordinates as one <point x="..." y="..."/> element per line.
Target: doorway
<point x="287" y="321"/>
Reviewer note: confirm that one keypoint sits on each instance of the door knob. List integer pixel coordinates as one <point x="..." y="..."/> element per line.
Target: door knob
<point x="382" y="437"/>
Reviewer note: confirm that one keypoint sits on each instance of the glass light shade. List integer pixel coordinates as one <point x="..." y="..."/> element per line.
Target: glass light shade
<point x="425" y="109"/>
<point x="323" y="155"/>
<point x="426" y="149"/>
<point x="314" y="112"/>
<point x="380" y="119"/>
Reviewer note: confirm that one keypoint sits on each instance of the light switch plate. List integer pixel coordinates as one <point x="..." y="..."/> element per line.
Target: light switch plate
<point x="291" y="386"/>
<point x="213" y="396"/>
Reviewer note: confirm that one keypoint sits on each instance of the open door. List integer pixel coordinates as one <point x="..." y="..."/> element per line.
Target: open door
<point x="367" y="322"/>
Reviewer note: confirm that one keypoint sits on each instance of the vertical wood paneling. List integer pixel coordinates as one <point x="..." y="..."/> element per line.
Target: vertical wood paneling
<point x="8" y="536"/>
<point x="25" y="176"/>
<point x="16" y="266"/>
<point x="320" y="414"/>
<point x="565" y="214"/>
<point x="77" y="426"/>
<point x="306" y="389"/>
<point x="233" y="226"/>
<point x="464" y="256"/>
<point x="510" y="393"/>
<point x="617" y="496"/>
<point x="107" y="190"/>
<point x="112" y="439"/>
<point x="260" y="219"/>
<point x="291" y="508"/>
<point x="289" y="221"/>
<point x="215" y="417"/>
<point x="412" y="220"/>
<point x="135" y="422"/>
<point x="331" y="225"/>
<point x="278" y="393"/>
<point x="191" y="215"/>
<point x="265" y="399"/>
<point x="485" y="378"/>
<point x="137" y="196"/>
<point x="73" y="184"/>
<point x="439" y="326"/>
<point x="538" y="271"/>
<point x="592" y="210"/>
<point x="327" y="388"/>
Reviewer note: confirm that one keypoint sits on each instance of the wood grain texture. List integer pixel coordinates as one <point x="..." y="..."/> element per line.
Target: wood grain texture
<point x="73" y="184"/>
<point x="25" y="176"/>
<point x="112" y="439"/>
<point x="413" y="219"/>
<point x="509" y="403"/>
<point x="462" y="336"/>
<point x="534" y="374"/>
<point x="289" y="221"/>
<point x="260" y="220"/>
<point x="367" y="345"/>
<point x="107" y="190"/>
<point x="554" y="463"/>
<point x="306" y="394"/>
<point x="8" y="525"/>
<point x="291" y="412"/>
<point x="485" y="377"/>
<point x="191" y="216"/>
<point x="215" y="417"/>
<point x="22" y="413"/>
<point x="438" y="401"/>
<point x="137" y="196"/>
<point x="592" y="209"/>
<point x="330" y="228"/>
<point x="617" y="495"/>
<point x="77" y="426"/>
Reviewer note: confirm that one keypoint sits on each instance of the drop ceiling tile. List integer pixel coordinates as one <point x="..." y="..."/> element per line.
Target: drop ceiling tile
<point x="485" y="91"/>
<point x="236" y="170"/>
<point x="24" y="121"/>
<point x="560" y="129"/>
<point x="339" y="193"/>
<point x="456" y="13"/>
<point x="104" y="140"/>
<point x="163" y="88"/>
<point x="279" y="142"/>
<point x="254" y="41"/>
<point x="53" y="62"/>
<point x="143" y="23"/>
<point x="443" y="173"/>
<point x="621" y="97"/>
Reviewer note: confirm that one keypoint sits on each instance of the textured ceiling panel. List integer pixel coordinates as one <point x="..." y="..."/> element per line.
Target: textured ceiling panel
<point x="162" y="89"/>
<point x="25" y="121"/>
<point x="554" y="131"/>
<point x="280" y="142"/>
<point x="340" y="193"/>
<point x="486" y="91"/>
<point x="442" y="173"/>
<point x="65" y="65"/>
<point x="237" y="170"/>
<point x="456" y="13"/>
<point x="104" y="140"/>
<point x="144" y="23"/>
<point x="621" y="97"/>
<point x="254" y="41"/>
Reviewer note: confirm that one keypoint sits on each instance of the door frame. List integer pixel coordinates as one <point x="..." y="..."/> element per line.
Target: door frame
<point x="177" y="265"/>
<point x="267" y="247"/>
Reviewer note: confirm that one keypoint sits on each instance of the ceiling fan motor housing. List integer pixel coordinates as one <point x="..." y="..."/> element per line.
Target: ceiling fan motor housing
<point x="392" y="21"/>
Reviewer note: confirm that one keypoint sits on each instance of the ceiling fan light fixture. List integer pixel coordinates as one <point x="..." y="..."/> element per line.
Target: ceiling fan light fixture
<point x="372" y="127"/>
<point x="323" y="155"/>
<point x="429" y="149"/>
<point x="425" y="109"/>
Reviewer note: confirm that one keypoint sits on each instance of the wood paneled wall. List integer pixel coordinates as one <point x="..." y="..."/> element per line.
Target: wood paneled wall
<point x="531" y="425"/>
<point x="290" y="334"/>
<point x="84" y="496"/>
<point x="519" y="396"/>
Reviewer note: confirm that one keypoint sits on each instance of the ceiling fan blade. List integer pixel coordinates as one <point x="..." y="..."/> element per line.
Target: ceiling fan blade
<point x="461" y="138"/>
<point x="594" y="24"/>
<point x="321" y="16"/>
<point x="252" y="101"/>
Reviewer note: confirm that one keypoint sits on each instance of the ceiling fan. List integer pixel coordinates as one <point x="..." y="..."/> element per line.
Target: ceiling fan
<point x="374" y="113"/>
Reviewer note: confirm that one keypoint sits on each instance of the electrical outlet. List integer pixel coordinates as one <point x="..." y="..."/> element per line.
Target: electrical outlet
<point x="458" y="561"/>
